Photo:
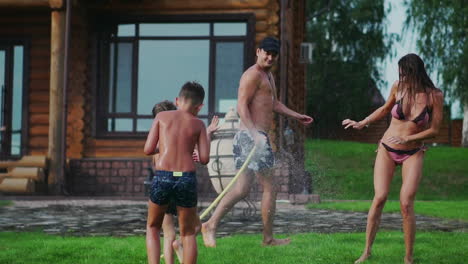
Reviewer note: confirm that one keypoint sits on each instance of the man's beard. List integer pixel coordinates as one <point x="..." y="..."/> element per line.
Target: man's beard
<point x="268" y="66"/>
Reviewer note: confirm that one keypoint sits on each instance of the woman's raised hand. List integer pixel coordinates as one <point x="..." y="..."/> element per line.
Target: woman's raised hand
<point x="354" y="124"/>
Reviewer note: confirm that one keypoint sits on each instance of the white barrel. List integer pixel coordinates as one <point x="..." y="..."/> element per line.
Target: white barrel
<point x="221" y="167"/>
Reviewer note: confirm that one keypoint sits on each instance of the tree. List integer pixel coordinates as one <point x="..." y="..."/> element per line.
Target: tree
<point x="350" y="39"/>
<point x="443" y="29"/>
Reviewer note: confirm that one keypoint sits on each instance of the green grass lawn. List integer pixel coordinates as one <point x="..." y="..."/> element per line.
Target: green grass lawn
<point x="344" y="170"/>
<point x="443" y="209"/>
<point x="431" y="247"/>
<point x="5" y="203"/>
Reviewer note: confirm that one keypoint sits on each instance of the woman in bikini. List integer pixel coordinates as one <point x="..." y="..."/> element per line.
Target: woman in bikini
<point x="416" y="108"/>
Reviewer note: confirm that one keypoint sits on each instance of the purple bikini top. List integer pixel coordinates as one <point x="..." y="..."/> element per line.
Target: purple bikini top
<point x="421" y="120"/>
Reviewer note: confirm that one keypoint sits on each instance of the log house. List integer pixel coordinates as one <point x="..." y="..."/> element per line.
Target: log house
<point x="123" y="57"/>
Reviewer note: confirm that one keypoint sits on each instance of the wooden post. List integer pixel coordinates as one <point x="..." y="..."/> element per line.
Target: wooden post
<point x="283" y="79"/>
<point x="56" y="112"/>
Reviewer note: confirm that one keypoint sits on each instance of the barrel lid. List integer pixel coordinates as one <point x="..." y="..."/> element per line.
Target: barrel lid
<point x="231" y="115"/>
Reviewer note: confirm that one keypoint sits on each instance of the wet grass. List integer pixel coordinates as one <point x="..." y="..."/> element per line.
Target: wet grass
<point x="457" y="210"/>
<point x="431" y="247"/>
<point x="5" y="203"/>
<point x="344" y="170"/>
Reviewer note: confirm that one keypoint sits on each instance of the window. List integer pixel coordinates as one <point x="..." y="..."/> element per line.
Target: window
<point x="12" y="100"/>
<point x="147" y="62"/>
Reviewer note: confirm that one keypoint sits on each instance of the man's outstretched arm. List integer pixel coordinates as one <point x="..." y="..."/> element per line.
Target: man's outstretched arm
<point x="281" y="109"/>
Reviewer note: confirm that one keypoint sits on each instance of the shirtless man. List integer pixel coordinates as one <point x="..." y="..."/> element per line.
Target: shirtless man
<point x="177" y="133"/>
<point x="256" y="103"/>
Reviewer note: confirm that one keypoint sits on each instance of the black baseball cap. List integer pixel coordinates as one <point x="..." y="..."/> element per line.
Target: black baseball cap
<point x="270" y="44"/>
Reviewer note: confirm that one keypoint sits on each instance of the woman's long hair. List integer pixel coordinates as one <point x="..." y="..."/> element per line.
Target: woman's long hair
<point x="413" y="78"/>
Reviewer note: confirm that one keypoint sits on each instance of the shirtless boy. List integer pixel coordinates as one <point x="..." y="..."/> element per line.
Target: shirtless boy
<point x="171" y="244"/>
<point x="176" y="133"/>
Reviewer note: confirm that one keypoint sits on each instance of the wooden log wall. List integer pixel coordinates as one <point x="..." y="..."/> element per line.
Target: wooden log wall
<point x="456" y="136"/>
<point x="78" y="81"/>
<point x="266" y="24"/>
<point x="450" y="133"/>
<point x="35" y="27"/>
<point x="372" y="134"/>
<point x="295" y="92"/>
<point x="296" y="71"/>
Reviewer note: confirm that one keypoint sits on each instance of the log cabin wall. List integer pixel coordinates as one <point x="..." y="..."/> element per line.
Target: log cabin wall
<point x="266" y="23"/>
<point x="78" y="83"/>
<point x="99" y="166"/>
<point x="33" y="26"/>
<point x="297" y="95"/>
<point x="118" y="166"/>
<point x="293" y="93"/>
<point x="455" y="137"/>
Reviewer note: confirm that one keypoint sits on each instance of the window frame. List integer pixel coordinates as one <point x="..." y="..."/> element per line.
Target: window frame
<point x="109" y="25"/>
<point x="9" y="43"/>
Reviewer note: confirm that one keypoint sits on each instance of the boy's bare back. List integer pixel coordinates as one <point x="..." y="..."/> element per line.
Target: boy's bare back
<point x="177" y="133"/>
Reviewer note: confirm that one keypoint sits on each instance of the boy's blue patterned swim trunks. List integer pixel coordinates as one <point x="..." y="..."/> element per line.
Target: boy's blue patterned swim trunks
<point x="180" y="187"/>
<point x="243" y="144"/>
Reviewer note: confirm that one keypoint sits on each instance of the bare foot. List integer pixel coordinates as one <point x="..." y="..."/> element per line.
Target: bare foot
<point x="277" y="242"/>
<point x="177" y="246"/>
<point x="408" y="260"/>
<point x="208" y="235"/>
<point x="363" y="258"/>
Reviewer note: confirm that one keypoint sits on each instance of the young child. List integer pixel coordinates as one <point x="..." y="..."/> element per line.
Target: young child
<point x="168" y="227"/>
<point x="176" y="133"/>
